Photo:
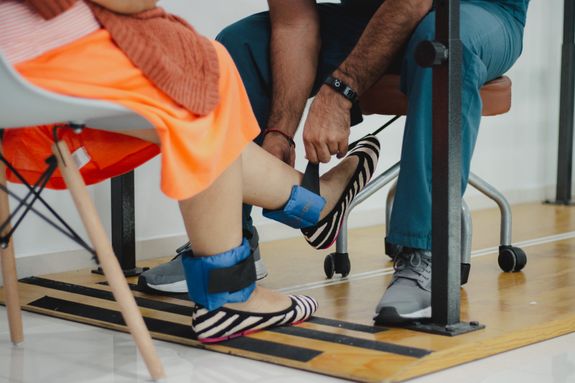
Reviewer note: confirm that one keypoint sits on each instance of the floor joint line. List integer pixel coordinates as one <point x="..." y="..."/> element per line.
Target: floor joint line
<point x="389" y="270"/>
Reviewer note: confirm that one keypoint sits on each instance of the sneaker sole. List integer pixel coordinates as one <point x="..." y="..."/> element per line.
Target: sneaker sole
<point x="178" y="287"/>
<point x="181" y="287"/>
<point x="389" y="315"/>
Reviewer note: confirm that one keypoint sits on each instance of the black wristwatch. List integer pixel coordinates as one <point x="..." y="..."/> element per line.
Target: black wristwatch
<point x="342" y="88"/>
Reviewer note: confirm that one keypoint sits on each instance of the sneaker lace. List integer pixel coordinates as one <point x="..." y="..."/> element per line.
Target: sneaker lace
<point x="411" y="261"/>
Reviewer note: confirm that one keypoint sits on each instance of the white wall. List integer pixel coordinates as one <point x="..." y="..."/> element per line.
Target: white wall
<point x="516" y="152"/>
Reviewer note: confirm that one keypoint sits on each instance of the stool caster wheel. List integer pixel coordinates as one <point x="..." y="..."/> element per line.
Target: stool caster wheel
<point x="511" y="259"/>
<point x="336" y="263"/>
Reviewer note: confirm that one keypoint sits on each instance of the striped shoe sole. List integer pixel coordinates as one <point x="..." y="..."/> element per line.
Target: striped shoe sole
<point x="325" y="232"/>
<point x="223" y="323"/>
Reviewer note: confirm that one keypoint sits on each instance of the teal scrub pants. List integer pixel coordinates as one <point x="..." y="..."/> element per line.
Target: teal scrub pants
<point x="492" y="41"/>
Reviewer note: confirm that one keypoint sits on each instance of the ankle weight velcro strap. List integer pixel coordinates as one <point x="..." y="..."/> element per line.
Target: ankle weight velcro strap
<point x="304" y="204"/>
<point x="227" y="277"/>
<point x="233" y="278"/>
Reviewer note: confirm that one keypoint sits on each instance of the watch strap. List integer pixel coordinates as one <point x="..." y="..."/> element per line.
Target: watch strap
<point x="342" y="88"/>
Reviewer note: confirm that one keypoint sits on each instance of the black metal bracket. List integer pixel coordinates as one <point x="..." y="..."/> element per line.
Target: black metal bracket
<point x="123" y="224"/>
<point x="459" y="328"/>
<point x="558" y="202"/>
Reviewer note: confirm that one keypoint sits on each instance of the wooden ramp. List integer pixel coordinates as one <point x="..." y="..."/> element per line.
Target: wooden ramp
<point x="518" y="309"/>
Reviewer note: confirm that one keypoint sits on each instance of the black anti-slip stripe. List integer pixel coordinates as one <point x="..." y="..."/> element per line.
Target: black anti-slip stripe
<point x="352" y="341"/>
<point x="347" y="325"/>
<point x="101" y="294"/>
<point x="295" y="353"/>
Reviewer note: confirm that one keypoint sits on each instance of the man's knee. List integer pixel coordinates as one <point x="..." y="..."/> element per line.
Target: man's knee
<point x="243" y="33"/>
<point x="424" y="31"/>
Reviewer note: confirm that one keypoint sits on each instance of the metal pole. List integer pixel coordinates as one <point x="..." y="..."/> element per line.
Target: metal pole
<point x="446" y="184"/>
<point x="566" y="109"/>
<point x="444" y="55"/>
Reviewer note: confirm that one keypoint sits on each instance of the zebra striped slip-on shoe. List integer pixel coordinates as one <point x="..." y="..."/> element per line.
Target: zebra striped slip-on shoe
<point x="224" y="323"/>
<point x="323" y="234"/>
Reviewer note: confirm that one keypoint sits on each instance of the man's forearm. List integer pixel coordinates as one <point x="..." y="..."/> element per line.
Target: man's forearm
<point x="326" y="131"/>
<point x="387" y="31"/>
<point x="294" y="50"/>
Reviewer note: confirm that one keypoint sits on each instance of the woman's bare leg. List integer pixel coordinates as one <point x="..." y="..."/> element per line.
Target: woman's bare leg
<point x="213" y="221"/>
<point x="267" y="182"/>
<point x="213" y="217"/>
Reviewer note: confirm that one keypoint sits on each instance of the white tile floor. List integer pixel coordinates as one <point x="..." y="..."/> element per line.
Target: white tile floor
<point x="65" y="352"/>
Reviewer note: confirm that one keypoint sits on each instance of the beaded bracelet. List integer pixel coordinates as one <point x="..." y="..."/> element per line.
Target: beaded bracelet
<point x="283" y="134"/>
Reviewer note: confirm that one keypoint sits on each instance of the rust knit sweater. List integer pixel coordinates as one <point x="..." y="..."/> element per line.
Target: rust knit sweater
<point x="178" y="60"/>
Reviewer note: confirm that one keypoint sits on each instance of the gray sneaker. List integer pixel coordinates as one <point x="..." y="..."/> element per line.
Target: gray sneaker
<point x="408" y="296"/>
<point x="169" y="277"/>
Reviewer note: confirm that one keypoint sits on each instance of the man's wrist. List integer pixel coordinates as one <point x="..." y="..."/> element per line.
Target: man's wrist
<point x="341" y="88"/>
<point x="347" y="77"/>
<point x="285" y="121"/>
<point x="327" y="94"/>
<point x="287" y="137"/>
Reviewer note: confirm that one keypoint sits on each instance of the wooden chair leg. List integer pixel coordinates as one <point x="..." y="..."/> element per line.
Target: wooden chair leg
<point x="108" y="260"/>
<point x="8" y="265"/>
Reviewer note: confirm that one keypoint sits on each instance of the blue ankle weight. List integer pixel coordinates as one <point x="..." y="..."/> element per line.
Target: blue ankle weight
<point x="213" y="281"/>
<point x="301" y="210"/>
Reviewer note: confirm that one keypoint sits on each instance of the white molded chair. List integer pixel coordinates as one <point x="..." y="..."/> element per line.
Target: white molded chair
<point x="23" y="105"/>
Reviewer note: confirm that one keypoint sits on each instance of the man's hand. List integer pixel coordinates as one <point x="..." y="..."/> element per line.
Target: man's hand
<point x="127" y="6"/>
<point x="277" y="145"/>
<point x="326" y="130"/>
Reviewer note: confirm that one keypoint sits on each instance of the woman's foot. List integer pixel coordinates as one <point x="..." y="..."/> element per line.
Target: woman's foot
<point x="263" y="300"/>
<point x="333" y="183"/>
<point x="339" y="187"/>
<point x="264" y="309"/>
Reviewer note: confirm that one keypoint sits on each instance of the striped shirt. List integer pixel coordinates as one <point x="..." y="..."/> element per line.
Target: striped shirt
<point x="24" y="34"/>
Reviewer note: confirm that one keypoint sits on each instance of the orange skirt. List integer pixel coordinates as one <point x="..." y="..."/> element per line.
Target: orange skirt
<point x="195" y="149"/>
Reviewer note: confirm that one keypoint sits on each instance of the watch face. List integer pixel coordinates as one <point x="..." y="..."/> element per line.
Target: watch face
<point x="342" y="88"/>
